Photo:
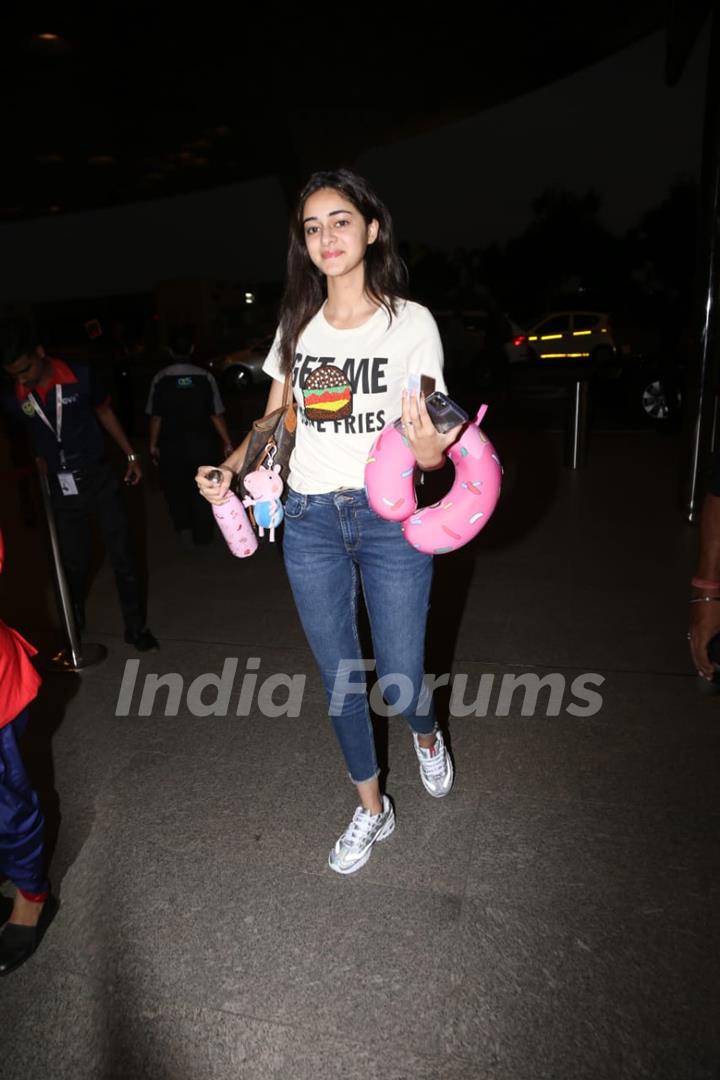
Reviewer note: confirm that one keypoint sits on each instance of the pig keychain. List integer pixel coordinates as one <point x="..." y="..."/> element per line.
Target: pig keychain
<point x="265" y="487"/>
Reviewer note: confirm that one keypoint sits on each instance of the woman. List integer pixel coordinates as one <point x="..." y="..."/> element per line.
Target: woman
<point x="351" y="341"/>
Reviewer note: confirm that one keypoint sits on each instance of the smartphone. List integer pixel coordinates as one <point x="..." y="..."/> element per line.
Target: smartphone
<point x="444" y="413"/>
<point x="427" y="385"/>
<point x="419" y="384"/>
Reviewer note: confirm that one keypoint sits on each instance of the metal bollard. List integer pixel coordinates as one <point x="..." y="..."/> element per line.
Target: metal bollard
<point x="76" y="656"/>
<point x="577" y="438"/>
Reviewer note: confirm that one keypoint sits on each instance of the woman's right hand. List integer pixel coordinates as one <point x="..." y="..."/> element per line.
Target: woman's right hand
<point x="210" y="489"/>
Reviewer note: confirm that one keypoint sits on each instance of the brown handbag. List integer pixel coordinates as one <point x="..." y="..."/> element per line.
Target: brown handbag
<point x="271" y="441"/>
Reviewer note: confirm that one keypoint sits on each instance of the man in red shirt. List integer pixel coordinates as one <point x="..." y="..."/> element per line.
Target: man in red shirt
<point x="66" y="411"/>
<point x="21" y="820"/>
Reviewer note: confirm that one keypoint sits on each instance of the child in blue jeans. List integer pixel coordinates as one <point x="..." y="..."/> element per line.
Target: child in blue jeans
<point x="21" y="821"/>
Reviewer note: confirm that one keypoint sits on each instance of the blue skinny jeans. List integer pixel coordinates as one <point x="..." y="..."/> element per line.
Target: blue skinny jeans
<point x="333" y="545"/>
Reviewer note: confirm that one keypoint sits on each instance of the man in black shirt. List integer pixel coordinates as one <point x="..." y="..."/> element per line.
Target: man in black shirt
<point x="66" y="412"/>
<point x="184" y="407"/>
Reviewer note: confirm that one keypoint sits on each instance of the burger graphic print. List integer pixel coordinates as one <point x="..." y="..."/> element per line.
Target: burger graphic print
<point x="327" y="395"/>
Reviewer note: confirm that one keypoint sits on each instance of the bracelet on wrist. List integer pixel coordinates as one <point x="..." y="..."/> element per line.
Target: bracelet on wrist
<point x="703" y="599"/>
<point x="133" y="457"/>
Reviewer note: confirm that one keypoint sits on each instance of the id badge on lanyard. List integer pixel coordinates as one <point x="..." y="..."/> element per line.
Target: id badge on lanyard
<point x="65" y="477"/>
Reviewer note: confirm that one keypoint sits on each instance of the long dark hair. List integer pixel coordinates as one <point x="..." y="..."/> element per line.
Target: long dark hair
<point x="385" y="272"/>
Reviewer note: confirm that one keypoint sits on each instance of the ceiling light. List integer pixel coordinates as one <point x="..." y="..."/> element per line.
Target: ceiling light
<point x="48" y="45"/>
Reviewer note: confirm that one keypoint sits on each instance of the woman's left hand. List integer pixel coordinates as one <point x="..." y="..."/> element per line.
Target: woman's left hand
<point x="427" y="443"/>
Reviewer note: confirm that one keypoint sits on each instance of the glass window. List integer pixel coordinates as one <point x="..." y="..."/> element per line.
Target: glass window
<point x="556" y="324"/>
<point x="585" y="322"/>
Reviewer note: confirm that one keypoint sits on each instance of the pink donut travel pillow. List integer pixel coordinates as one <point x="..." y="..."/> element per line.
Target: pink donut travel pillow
<point x="461" y="514"/>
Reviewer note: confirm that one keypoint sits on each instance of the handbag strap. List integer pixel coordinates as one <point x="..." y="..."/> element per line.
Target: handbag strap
<point x="287" y="390"/>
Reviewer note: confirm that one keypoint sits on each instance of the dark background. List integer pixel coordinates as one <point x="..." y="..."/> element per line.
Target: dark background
<point x="534" y="160"/>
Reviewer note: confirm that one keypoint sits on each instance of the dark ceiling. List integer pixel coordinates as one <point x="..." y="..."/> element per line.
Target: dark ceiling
<point x="139" y="102"/>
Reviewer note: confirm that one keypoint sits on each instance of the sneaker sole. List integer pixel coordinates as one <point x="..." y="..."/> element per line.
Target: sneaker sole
<point x="387" y="829"/>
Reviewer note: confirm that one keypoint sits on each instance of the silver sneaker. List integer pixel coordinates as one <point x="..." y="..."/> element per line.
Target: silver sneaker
<point x="436" y="767"/>
<point x="353" y="848"/>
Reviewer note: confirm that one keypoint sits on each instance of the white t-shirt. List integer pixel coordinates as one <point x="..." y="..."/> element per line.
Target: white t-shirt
<point x="348" y="386"/>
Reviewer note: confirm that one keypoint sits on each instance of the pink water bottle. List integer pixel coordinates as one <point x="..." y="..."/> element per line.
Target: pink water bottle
<point x="234" y="523"/>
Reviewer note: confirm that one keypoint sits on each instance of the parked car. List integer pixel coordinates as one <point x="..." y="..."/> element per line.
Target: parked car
<point x="565" y="335"/>
<point x="626" y="359"/>
<point x="241" y="369"/>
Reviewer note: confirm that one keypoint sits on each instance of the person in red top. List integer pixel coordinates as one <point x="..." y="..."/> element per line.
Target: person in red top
<point x="21" y="820"/>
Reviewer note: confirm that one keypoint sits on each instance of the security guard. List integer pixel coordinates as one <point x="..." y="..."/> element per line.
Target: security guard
<point x="67" y="411"/>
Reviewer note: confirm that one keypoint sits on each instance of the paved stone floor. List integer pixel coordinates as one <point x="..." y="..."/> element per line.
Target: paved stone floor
<point x="555" y="917"/>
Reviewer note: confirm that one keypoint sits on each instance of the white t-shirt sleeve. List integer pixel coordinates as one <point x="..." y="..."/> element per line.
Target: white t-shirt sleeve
<point x="425" y="356"/>
<point x="272" y="365"/>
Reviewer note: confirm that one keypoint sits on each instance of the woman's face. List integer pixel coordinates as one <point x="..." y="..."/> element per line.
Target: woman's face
<point x="336" y="234"/>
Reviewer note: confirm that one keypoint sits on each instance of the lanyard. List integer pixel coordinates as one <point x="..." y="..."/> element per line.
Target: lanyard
<point x="57" y="430"/>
